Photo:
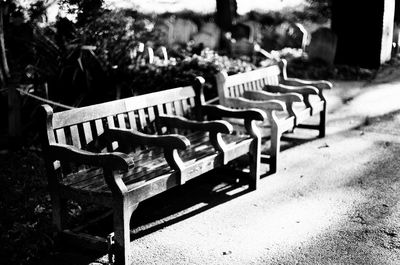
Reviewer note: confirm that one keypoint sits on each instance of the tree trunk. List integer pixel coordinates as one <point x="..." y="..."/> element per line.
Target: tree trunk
<point x="364" y="30"/>
<point x="226" y="12"/>
<point x="4" y="63"/>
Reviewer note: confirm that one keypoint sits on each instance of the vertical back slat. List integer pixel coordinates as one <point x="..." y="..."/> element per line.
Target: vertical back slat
<point x="132" y="120"/>
<point x="245" y="87"/>
<point x="264" y="81"/>
<point x="121" y="121"/>
<point x="242" y="88"/>
<point x="142" y="119"/>
<point x="60" y="133"/>
<point x="99" y="127"/>
<point x="259" y="84"/>
<point x="169" y="109"/>
<point x="151" y="119"/>
<point x="249" y="86"/>
<point x="75" y="136"/>
<point x="185" y="107"/>
<point x="191" y="102"/>
<point x="178" y="108"/>
<point x="160" y="109"/>
<point x="152" y="115"/>
<point x="254" y="85"/>
<point x="110" y="122"/>
<point x="237" y="91"/>
<point x="232" y="91"/>
<point x="87" y="130"/>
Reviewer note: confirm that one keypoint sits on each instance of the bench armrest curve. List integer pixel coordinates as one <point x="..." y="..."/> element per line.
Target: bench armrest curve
<point x="319" y="84"/>
<point x="263" y="95"/>
<point x="222" y="111"/>
<point x="304" y="90"/>
<point x="215" y="126"/>
<point x="131" y="137"/>
<point x="112" y="160"/>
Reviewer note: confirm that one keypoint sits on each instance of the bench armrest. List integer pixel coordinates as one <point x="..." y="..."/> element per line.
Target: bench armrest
<point x="249" y="113"/>
<point x="263" y="95"/>
<point x="221" y="111"/>
<point x="319" y="84"/>
<point x="170" y="143"/>
<point x="284" y="89"/>
<point x="183" y="123"/>
<point x="130" y="138"/>
<point x="305" y="91"/>
<point x="288" y="98"/>
<point x="114" y="160"/>
<point x="215" y="128"/>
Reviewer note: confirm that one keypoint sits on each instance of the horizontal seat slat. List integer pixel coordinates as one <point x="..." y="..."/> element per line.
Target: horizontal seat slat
<point x="83" y="175"/>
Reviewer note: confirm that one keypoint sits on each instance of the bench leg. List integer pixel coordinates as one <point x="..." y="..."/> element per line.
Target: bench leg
<point x="122" y="216"/>
<point x="275" y="148"/>
<point x="255" y="162"/>
<point x="59" y="211"/>
<point x="322" y="122"/>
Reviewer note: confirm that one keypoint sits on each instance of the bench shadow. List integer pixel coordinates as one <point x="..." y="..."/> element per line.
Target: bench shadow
<point x="199" y="195"/>
<point x="290" y="141"/>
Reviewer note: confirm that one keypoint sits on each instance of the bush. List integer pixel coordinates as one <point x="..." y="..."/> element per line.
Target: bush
<point x="152" y="77"/>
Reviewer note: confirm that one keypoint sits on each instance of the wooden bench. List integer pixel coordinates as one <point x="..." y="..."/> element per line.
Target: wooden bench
<point x="135" y="148"/>
<point x="288" y="102"/>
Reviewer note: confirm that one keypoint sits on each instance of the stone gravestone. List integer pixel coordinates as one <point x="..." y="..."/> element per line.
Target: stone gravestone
<point x="163" y="30"/>
<point x="364" y="31"/>
<point x="209" y="36"/>
<point x="255" y="31"/>
<point x="323" y="45"/>
<point x="181" y="31"/>
<point x="292" y="35"/>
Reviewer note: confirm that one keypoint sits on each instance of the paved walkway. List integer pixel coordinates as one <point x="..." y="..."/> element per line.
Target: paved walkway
<point x="334" y="200"/>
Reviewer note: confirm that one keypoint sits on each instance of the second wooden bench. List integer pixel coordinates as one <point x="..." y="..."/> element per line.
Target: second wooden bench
<point x="288" y="102"/>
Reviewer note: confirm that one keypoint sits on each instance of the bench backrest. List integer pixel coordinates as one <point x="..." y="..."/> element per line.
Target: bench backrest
<point x="80" y="126"/>
<point x="233" y="86"/>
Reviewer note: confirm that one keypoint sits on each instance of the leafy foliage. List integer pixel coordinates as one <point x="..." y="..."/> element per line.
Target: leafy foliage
<point x="182" y="73"/>
<point x="24" y="209"/>
<point x="320" y="10"/>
